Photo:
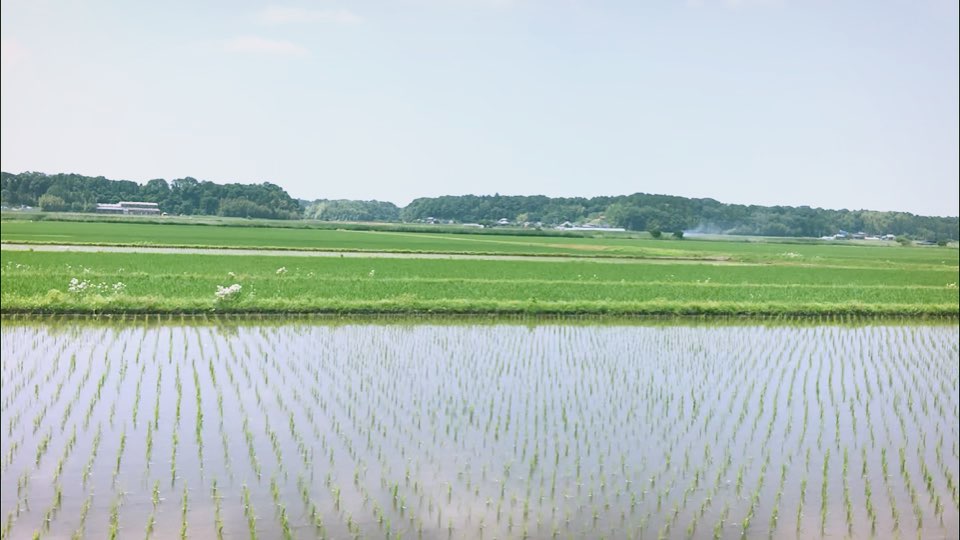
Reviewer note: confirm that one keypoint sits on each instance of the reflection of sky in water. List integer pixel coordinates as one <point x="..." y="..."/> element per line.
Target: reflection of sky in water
<point x="480" y="430"/>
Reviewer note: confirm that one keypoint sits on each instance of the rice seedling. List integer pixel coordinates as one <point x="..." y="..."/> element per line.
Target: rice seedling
<point x="184" y="507"/>
<point x="123" y="445"/>
<point x="114" y="527"/>
<point x="84" y="511"/>
<point x="248" y="511"/>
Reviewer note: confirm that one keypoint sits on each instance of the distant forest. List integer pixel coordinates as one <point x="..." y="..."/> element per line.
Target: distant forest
<point x="644" y="212"/>
<point x="347" y="210"/>
<point x="637" y="212"/>
<point x="188" y="196"/>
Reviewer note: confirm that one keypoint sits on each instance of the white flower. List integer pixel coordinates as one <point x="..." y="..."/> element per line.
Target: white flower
<point x="77" y="286"/>
<point x="224" y="293"/>
<point x="231" y="274"/>
<point x="119" y="287"/>
<point x="282" y="270"/>
<point x="372" y="273"/>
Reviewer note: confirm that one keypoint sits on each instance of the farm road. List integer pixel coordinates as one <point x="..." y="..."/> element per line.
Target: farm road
<point x="352" y="254"/>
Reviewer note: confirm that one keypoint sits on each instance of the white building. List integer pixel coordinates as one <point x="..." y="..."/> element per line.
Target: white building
<point x="129" y="208"/>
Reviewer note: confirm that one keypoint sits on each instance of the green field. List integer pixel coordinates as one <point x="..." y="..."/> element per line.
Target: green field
<point x="608" y="275"/>
<point x="163" y="283"/>
<point x="145" y="234"/>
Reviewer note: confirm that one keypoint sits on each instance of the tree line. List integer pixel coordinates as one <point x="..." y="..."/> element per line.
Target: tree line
<point x="187" y="196"/>
<point x="348" y="210"/>
<point x="656" y="213"/>
<point x="637" y="212"/>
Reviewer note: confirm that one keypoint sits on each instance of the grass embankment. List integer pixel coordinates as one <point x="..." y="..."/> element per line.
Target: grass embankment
<point x="40" y="283"/>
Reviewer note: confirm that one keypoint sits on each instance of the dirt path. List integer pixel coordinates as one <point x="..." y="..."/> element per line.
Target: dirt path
<point x="344" y="254"/>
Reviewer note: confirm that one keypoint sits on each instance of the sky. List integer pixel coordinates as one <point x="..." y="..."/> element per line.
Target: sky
<point x="824" y="103"/>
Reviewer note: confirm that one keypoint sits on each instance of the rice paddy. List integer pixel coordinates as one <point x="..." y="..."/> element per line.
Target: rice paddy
<point x="301" y="429"/>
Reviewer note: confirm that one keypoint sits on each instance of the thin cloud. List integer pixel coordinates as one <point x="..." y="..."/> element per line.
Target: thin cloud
<point x="293" y="15"/>
<point x="259" y="45"/>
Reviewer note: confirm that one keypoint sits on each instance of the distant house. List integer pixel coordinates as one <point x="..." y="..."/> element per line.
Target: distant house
<point x="503" y="221"/>
<point x="888" y="237"/>
<point x="595" y="228"/>
<point x="129" y="208"/>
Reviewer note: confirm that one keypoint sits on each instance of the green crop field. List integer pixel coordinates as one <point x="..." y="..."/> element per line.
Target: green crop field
<point x="164" y="283"/>
<point x="319" y="239"/>
<point x="146" y="234"/>
<point x="652" y="276"/>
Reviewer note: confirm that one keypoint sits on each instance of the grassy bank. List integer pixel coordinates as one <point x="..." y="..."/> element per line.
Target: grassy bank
<point x="34" y="282"/>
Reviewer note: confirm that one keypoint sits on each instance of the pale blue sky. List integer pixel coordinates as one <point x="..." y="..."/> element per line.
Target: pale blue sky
<point x="838" y="104"/>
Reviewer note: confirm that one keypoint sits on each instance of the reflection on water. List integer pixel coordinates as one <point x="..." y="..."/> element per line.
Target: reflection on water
<point x="470" y="429"/>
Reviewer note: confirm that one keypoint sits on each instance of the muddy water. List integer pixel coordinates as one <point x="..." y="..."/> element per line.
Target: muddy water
<point x="478" y="430"/>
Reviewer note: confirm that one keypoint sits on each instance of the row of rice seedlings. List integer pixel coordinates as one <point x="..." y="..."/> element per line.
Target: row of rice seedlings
<point x="217" y="510"/>
<point x="94" y="448"/>
<point x="184" y="507"/>
<point x="249" y="438"/>
<point x="249" y="513"/>
<point x="198" y="420"/>
<point x="51" y="513"/>
<point x="67" y="450"/>
<point x="310" y="506"/>
<point x="136" y="399"/>
<point x="98" y="392"/>
<point x="175" y="431"/>
<point x="868" y="492"/>
<point x="113" y="531"/>
<point x="120" y="450"/>
<point x="80" y="531"/>
<point x="155" y="501"/>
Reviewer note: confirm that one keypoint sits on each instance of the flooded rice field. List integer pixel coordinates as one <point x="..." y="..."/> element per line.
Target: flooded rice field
<point x="369" y="430"/>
